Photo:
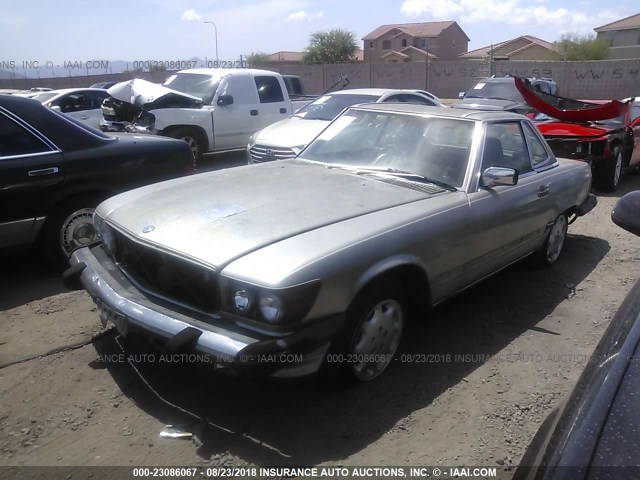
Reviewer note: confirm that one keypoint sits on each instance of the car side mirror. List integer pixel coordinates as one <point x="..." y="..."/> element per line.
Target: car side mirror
<point x="225" y="99"/>
<point x="496" y="176"/>
<point x="636" y="123"/>
<point x="56" y="108"/>
<point x="461" y="95"/>
<point x="626" y="213"/>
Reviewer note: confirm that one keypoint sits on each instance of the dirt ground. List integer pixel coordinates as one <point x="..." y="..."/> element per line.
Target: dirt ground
<point x="503" y="354"/>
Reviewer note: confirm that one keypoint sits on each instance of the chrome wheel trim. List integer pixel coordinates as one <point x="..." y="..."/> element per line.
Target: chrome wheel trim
<point x="77" y="230"/>
<point x="376" y="339"/>
<point x="193" y="145"/>
<point x="557" y="236"/>
<point x="617" y="171"/>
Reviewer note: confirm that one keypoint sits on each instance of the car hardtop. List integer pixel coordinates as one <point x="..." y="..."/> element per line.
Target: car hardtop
<point x="371" y="91"/>
<point x="223" y="72"/>
<point x="411" y="108"/>
<point x="76" y="89"/>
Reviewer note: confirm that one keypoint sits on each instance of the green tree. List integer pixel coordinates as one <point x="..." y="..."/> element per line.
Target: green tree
<point x="255" y="58"/>
<point x="331" y="46"/>
<point x="583" y="47"/>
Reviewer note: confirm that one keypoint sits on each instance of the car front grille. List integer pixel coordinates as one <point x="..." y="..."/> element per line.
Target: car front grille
<point x="261" y="153"/>
<point x="167" y="276"/>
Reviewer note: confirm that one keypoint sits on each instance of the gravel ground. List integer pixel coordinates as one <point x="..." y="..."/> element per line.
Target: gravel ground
<point x="496" y="360"/>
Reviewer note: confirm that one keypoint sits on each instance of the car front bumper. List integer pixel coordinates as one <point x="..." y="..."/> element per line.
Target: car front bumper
<point x="295" y="354"/>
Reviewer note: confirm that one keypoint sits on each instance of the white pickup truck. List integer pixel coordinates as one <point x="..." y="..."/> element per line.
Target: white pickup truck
<point x="211" y="109"/>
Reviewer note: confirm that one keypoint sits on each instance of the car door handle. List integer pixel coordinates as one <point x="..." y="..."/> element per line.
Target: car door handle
<point x="43" y="171"/>
<point x="253" y="113"/>
<point x="283" y="110"/>
<point x="84" y="117"/>
<point x="544" y="190"/>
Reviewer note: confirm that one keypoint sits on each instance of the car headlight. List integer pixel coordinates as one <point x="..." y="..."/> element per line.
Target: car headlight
<point x="298" y="149"/>
<point x="104" y="231"/>
<point x="274" y="306"/>
<point x="242" y="301"/>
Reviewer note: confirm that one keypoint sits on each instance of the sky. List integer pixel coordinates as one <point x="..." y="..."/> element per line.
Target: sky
<point x="157" y="30"/>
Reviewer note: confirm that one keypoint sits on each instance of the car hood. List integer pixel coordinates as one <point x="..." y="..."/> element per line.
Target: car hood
<point x="291" y="132"/>
<point x="140" y="92"/>
<point x="568" y="129"/>
<point x="217" y="217"/>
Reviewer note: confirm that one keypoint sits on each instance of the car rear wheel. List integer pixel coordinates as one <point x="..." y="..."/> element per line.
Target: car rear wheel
<point x="552" y="248"/>
<point x="370" y="338"/>
<point x="193" y="139"/>
<point x="608" y="174"/>
<point x="68" y="228"/>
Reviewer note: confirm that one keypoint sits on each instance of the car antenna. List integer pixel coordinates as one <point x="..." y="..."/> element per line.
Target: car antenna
<point x="343" y="78"/>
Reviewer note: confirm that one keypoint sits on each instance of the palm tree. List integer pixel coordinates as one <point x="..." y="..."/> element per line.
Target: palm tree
<point x="331" y="46"/>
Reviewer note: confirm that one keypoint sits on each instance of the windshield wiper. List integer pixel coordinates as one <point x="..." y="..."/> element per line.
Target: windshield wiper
<point x="405" y="175"/>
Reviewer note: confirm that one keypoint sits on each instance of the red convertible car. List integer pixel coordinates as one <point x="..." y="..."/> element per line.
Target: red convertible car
<point x="606" y="134"/>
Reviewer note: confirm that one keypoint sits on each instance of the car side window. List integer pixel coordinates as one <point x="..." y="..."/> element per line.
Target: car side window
<point x="16" y="140"/>
<point x="635" y="110"/>
<point x="269" y="89"/>
<point x="73" y="102"/>
<point x="537" y="151"/>
<point x="95" y="99"/>
<point x="505" y="146"/>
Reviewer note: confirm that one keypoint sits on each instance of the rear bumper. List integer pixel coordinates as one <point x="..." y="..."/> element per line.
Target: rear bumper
<point x="294" y="354"/>
<point x="589" y="204"/>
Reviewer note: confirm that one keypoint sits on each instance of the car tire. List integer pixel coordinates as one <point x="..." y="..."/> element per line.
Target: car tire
<point x="607" y="175"/>
<point x="193" y="139"/>
<point x="69" y="227"/>
<point x="552" y="247"/>
<point x="369" y="340"/>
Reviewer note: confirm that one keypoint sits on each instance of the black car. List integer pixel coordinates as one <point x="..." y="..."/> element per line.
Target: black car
<point x="55" y="169"/>
<point x="501" y="94"/>
<point x="594" y="434"/>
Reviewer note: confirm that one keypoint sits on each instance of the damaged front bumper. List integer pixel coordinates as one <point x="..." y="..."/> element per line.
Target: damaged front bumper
<point x="120" y="302"/>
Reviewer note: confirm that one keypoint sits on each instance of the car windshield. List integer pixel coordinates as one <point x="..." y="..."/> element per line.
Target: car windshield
<point x="198" y="85"/>
<point x="496" y="90"/>
<point x="43" y="97"/>
<point x="328" y="107"/>
<point x="411" y="147"/>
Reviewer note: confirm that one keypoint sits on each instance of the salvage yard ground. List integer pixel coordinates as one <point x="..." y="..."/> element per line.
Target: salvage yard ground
<point x="486" y="369"/>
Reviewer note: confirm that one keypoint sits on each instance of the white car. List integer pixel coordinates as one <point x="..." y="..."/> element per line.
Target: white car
<point x="83" y="104"/>
<point x="286" y="138"/>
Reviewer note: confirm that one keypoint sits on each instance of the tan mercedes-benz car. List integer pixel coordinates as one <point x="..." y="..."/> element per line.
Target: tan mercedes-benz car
<point x="288" y="268"/>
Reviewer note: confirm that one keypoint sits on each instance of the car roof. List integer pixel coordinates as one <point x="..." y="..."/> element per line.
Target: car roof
<point x="221" y="72"/>
<point x="482" y="116"/>
<point x="369" y="91"/>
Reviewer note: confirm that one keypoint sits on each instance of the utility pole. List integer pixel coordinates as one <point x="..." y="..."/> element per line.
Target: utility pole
<point x="215" y="31"/>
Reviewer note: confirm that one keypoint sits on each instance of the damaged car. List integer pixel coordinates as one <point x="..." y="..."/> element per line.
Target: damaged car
<point x="605" y="134"/>
<point x="285" y="269"/>
<point x="211" y="109"/>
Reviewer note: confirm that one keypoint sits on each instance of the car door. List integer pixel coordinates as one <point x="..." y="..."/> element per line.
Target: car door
<point x="635" y="127"/>
<point x="82" y="105"/>
<point x="273" y="102"/>
<point x="30" y="169"/>
<point x="235" y="122"/>
<point x="507" y="222"/>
